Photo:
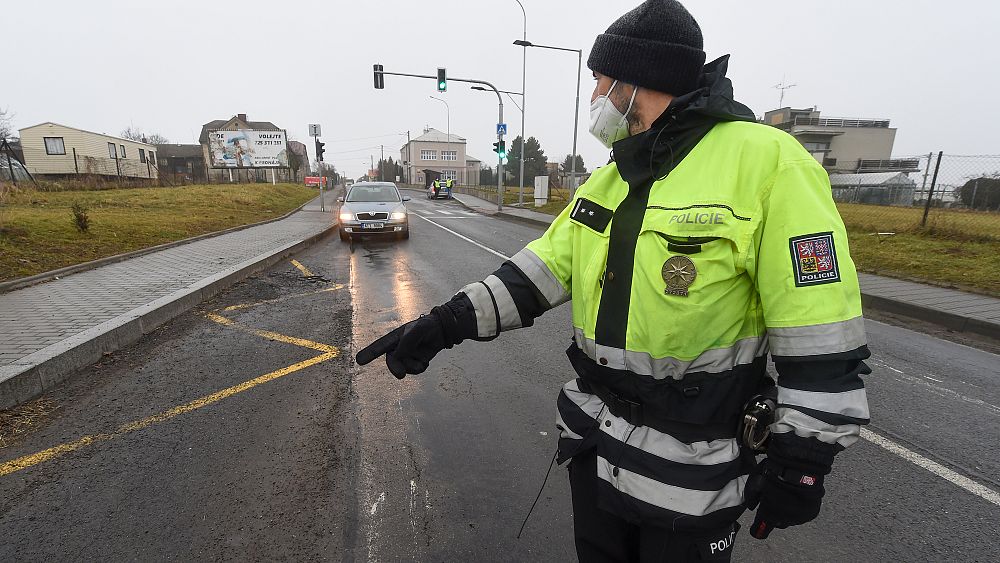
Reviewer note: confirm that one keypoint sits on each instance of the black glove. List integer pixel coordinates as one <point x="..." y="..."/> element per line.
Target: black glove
<point x="788" y="484"/>
<point x="411" y="347"/>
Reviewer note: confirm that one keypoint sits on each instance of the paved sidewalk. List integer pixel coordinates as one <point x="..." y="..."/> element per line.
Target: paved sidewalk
<point x="957" y="310"/>
<point x="83" y="315"/>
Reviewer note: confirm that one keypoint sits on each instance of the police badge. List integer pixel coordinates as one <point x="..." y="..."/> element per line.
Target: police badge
<point x="679" y="273"/>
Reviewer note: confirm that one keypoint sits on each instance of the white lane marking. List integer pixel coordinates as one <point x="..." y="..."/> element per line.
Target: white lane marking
<point x="932" y="379"/>
<point x="443" y="217"/>
<point x="465" y="238"/>
<point x="413" y="505"/>
<point x="443" y="212"/>
<point x="381" y="498"/>
<point x="962" y="481"/>
<point x="939" y="390"/>
<point x="920" y="461"/>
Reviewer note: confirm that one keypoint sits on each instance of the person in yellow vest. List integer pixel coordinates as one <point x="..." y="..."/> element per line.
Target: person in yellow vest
<point x="709" y="242"/>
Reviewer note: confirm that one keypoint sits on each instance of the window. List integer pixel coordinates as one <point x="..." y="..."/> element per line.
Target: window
<point x="142" y="156"/>
<point x="816" y="147"/>
<point x="123" y="151"/>
<point x="449" y="155"/>
<point x="152" y="157"/>
<point x="428" y="154"/>
<point x="449" y="174"/>
<point x="112" y="150"/>
<point x="368" y="193"/>
<point x="54" y="145"/>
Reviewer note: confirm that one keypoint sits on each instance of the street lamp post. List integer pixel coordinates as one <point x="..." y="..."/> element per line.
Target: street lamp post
<point x="576" y="115"/>
<point x="524" y="60"/>
<point x="447" y="111"/>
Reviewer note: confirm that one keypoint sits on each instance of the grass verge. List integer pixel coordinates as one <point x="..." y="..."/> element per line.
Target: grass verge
<point x="38" y="234"/>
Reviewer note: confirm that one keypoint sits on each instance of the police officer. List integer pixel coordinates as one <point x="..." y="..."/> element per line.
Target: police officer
<point x="709" y="242"/>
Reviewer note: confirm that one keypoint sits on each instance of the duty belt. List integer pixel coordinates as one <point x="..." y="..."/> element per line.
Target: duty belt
<point x="619" y="406"/>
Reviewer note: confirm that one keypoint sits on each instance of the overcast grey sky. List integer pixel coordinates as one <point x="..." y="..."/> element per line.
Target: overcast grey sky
<point x="933" y="68"/>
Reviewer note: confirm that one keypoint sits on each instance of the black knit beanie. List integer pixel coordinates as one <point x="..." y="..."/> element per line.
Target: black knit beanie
<point x="657" y="46"/>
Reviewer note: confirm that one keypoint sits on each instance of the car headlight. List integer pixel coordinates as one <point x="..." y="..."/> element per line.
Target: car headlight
<point x="398" y="215"/>
<point x="346" y="216"/>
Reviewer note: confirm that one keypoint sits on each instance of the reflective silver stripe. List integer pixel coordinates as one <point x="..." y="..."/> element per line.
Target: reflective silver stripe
<point x="670" y="497"/>
<point x="667" y="447"/>
<point x="715" y="360"/>
<point x="539" y="274"/>
<point x="509" y="317"/>
<point x="588" y="403"/>
<point x="591" y="405"/>
<point x="814" y="340"/>
<point x="486" y="316"/>
<point x="852" y="403"/>
<point x="791" y="420"/>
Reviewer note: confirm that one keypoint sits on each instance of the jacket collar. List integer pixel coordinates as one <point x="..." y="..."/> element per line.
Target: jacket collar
<point x="680" y="127"/>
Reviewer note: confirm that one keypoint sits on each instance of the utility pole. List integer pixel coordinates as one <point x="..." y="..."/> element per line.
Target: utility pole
<point x="381" y="164"/>
<point x="409" y="160"/>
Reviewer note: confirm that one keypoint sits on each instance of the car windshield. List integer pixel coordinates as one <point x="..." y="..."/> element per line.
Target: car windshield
<point x="373" y="193"/>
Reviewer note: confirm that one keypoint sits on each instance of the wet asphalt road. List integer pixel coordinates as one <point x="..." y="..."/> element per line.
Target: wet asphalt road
<point x="332" y="461"/>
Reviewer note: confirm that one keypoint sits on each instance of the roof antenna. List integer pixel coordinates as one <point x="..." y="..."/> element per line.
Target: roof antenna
<point x="782" y="86"/>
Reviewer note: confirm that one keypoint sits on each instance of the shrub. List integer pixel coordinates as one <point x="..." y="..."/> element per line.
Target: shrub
<point x="81" y="219"/>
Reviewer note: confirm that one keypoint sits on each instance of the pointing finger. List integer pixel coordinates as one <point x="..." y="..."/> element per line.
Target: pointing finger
<point x="381" y="346"/>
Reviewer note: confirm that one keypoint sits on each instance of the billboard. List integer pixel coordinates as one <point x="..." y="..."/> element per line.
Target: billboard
<point x="247" y="148"/>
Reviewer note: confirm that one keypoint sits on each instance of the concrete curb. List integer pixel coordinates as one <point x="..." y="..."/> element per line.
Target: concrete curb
<point x="950" y="321"/>
<point x="40" y="371"/>
<point x="43" y="277"/>
<point x="944" y="319"/>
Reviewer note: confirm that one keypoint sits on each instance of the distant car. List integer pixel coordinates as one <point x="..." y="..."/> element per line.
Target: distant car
<point x="441" y="192"/>
<point x="374" y="208"/>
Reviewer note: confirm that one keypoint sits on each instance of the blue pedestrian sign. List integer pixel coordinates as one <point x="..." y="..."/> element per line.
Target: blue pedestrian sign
<point x="501" y="128"/>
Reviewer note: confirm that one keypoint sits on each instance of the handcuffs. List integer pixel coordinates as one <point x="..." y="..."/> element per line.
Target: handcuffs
<point x="758" y="415"/>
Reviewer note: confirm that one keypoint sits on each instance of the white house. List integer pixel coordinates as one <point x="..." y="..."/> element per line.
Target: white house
<point x="57" y="150"/>
<point x="439" y="152"/>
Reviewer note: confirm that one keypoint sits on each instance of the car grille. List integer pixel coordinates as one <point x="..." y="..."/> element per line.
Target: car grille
<point x="380" y="216"/>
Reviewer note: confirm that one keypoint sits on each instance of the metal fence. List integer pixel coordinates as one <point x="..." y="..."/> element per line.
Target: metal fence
<point x="105" y="166"/>
<point x="937" y="194"/>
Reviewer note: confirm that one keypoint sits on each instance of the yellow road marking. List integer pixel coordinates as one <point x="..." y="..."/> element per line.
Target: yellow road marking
<point x="280" y="299"/>
<point x="27" y="461"/>
<point x="305" y="271"/>
<point x="329" y="353"/>
<point x="271" y="335"/>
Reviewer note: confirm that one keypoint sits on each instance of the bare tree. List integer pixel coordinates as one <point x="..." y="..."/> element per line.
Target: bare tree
<point x="135" y="134"/>
<point x="6" y="117"/>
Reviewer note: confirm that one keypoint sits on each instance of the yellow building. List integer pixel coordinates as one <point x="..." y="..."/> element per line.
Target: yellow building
<point x="51" y="149"/>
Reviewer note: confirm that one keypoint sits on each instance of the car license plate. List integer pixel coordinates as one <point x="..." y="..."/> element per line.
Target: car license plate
<point x="372" y="225"/>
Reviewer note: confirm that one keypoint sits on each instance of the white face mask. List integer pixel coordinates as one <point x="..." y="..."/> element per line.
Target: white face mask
<point x="607" y="123"/>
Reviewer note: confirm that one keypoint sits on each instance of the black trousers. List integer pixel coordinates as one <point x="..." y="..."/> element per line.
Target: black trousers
<point x="604" y="537"/>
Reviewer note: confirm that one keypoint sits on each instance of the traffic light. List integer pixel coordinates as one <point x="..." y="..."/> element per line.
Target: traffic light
<point x="500" y="147"/>
<point x="379" y="78"/>
<point x="320" y="150"/>
<point x="442" y="80"/>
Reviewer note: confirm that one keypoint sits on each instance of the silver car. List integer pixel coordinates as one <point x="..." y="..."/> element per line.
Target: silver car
<point x="373" y="208"/>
